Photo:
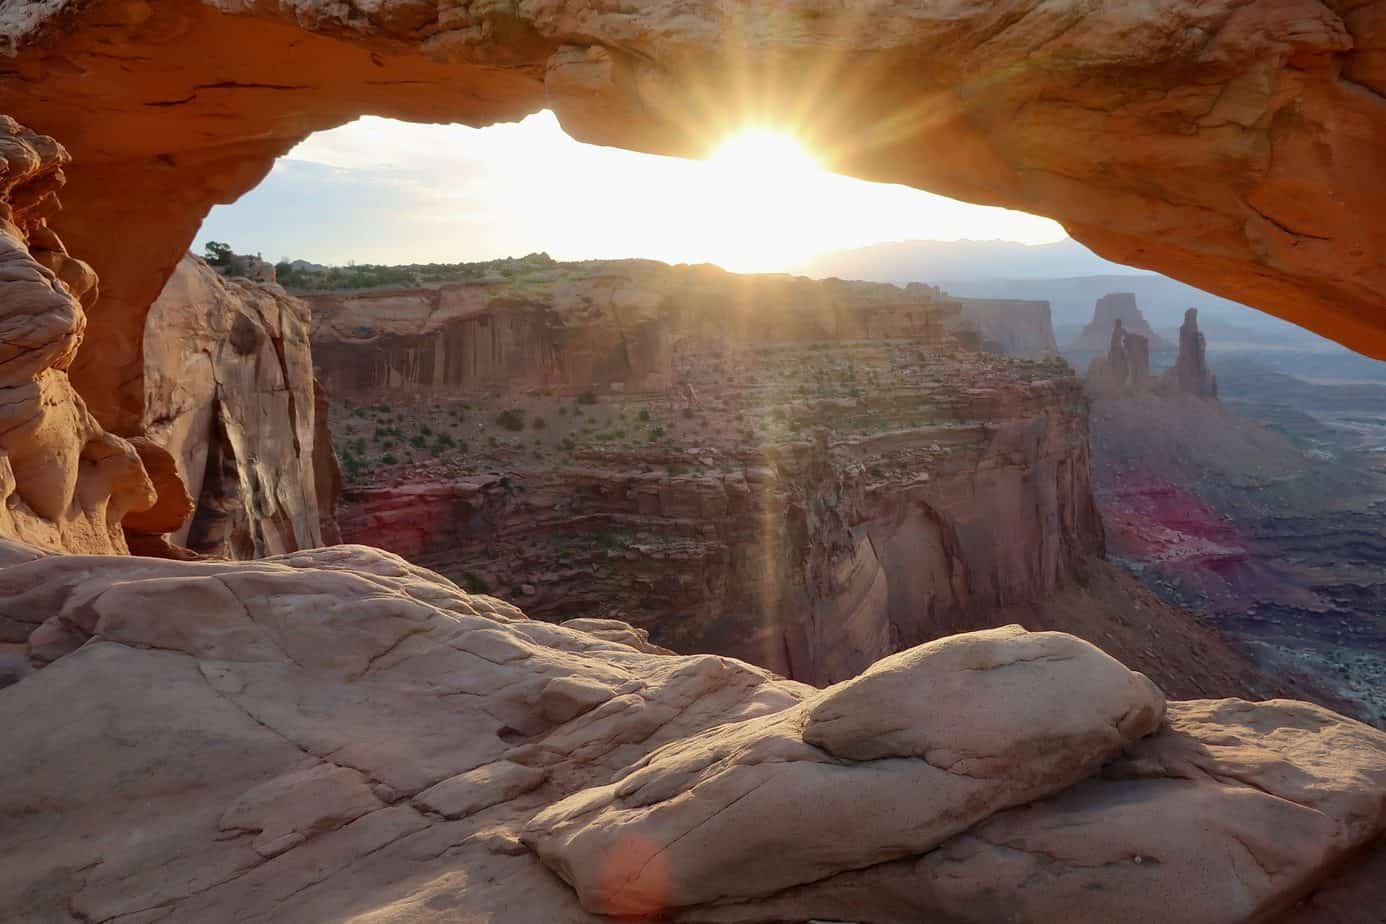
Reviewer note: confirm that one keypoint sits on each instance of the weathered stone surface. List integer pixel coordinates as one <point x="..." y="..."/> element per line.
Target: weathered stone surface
<point x="1232" y="145"/>
<point x="339" y="735"/>
<point x="470" y="792"/>
<point x="1190" y="374"/>
<point x="1016" y="327"/>
<point x="934" y="488"/>
<point x="604" y="326"/>
<point x="230" y="393"/>
<point x="947" y="734"/>
<point x="1126" y="367"/>
<point x="1225" y="816"/>
<point x="64" y="482"/>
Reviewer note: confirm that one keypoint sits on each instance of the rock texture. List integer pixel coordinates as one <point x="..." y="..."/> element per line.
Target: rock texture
<point x="1229" y="144"/>
<point x="65" y="482"/>
<point x="338" y="735"/>
<point x="1118" y="309"/>
<point x="1125" y="368"/>
<point x="953" y="732"/>
<point x="1190" y="374"/>
<point x="1013" y="326"/>
<point x="805" y="475"/>
<point x="624" y="326"/>
<point x="230" y="394"/>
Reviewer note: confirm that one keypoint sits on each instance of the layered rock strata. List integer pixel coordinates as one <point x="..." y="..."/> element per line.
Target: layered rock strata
<point x="820" y="482"/>
<point x="1015" y="327"/>
<point x="1232" y="145"/>
<point x="339" y="735"/>
<point x="622" y="326"/>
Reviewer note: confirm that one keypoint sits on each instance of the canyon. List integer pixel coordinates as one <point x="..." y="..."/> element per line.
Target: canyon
<point x="805" y="475"/>
<point x="338" y="733"/>
<point x="1263" y="515"/>
<point x="1256" y="180"/>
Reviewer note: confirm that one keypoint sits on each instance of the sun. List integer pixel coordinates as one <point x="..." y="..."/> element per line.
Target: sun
<point x="761" y="152"/>
<point x="765" y="185"/>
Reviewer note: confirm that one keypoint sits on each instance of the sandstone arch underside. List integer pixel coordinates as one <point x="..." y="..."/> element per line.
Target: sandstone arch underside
<point x="1234" y="144"/>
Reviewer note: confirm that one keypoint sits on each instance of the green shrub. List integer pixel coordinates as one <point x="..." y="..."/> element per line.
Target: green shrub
<point x="389" y="459"/>
<point x="587" y="398"/>
<point x="473" y="584"/>
<point x="538" y="423"/>
<point x="644" y="416"/>
<point x="512" y="420"/>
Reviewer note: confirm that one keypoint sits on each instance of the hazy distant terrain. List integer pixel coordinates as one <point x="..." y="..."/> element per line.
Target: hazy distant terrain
<point x="1066" y="274"/>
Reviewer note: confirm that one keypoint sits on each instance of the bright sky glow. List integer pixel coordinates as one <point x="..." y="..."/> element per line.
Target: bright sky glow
<point x="379" y="191"/>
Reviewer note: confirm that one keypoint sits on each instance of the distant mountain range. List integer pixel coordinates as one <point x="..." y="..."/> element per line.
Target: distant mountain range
<point x="926" y="261"/>
<point x="1066" y="274"/>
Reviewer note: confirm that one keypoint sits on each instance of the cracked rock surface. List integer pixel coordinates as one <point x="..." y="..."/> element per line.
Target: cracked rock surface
<point x="338" y="735"/>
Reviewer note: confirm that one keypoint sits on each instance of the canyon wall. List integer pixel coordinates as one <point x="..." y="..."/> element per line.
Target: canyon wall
<point x="1231" y="145"/>
<point x="66" y="483"/>
<point x="808" y="475"/>
<point x="602" y="326"/>
<point x="230" y="394"/>
<point x="223" y="461"/>
<point x="1015" y="326"/>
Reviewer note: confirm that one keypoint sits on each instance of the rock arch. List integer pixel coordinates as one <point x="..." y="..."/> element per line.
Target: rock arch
<point x="1235" y="145"/>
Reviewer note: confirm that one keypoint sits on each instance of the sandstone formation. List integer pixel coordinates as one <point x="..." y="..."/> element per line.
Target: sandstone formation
<point x="807" y="475"/>
<point x="65" y="482"/>
<point x="230" y="394"/>
<point x="1111" y="311"/>
<point x="1232" y="145"/>
<point x="1013" y="326"/>
<point x="1190" y="374"/>
<point x="339" y="735"/>
<point x="622" y="326"/>
<point x="1125" y="368"/>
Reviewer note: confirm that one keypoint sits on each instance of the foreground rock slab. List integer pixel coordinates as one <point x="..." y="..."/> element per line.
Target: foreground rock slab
<point x="338" y="735"/>
<point x="919" y="748"/>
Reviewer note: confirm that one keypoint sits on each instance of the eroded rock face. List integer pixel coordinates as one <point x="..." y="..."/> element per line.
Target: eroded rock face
<point x="1232" y="145"/>
<point x="1126" y="367"/>
<point x="807" y="475"/>
<point x="1190" y="373"/>
<point x="337" y="735"/>
<point x="65" y="482"/>
<point x="230" y="393"/>
<point x="1016" y="327"/>
<point x="627" y="326"/>
<point x="1117" y="310"/>
<point x="950" y="733"/>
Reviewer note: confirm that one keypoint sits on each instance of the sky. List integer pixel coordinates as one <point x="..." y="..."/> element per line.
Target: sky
<point x="380" y="191"/>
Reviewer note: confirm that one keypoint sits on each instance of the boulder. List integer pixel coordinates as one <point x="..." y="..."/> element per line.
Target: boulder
<point x="339" y="735"/>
